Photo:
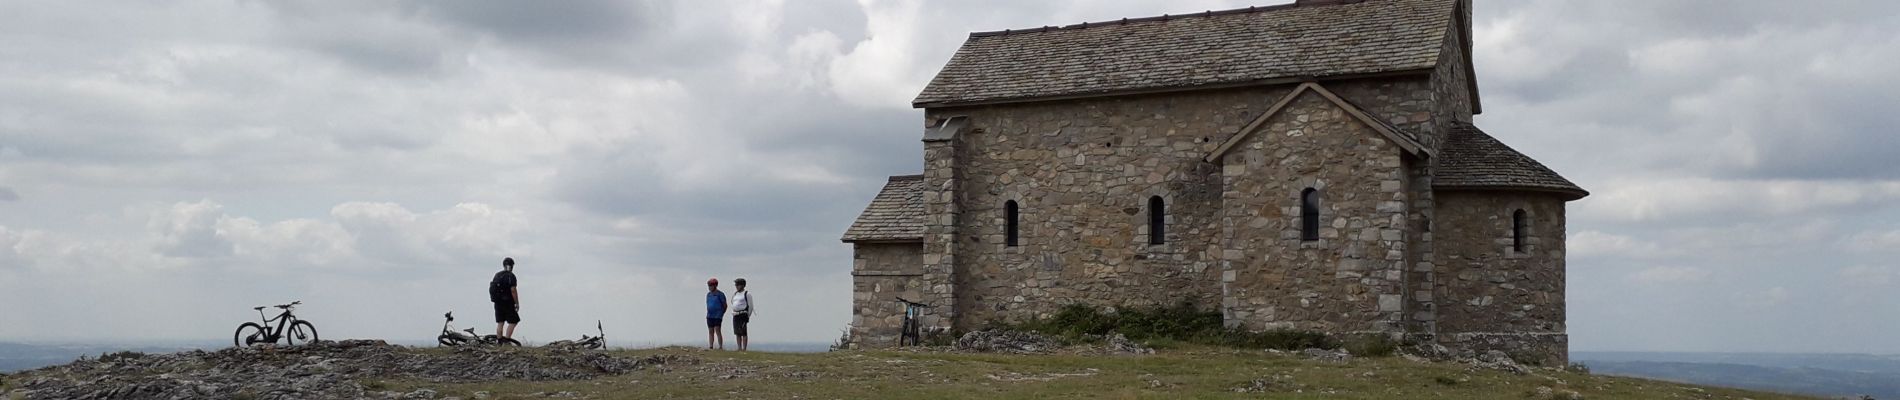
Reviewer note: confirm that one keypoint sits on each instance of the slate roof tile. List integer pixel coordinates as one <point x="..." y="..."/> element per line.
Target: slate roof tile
<point x="896" y="214"/>
<point x="1472" y="159"/>
<point x="1213" y="48"/>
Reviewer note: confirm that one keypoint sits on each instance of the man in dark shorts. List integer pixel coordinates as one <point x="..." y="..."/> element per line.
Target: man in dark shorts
<point x="507" y="299"/>
<point x="715" y="313"/>
<point x="741" y="311"/>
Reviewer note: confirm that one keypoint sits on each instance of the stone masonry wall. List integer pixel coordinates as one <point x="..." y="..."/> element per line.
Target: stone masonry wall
<point x="1490" y="295"/>
<point x="1082" y="173"/>
<point x="882" y="272"/>
<point x="1351" y="279"/>
<point x="938" y="284"/>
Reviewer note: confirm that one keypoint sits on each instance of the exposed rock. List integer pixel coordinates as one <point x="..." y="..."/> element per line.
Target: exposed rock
<point x="1327" y="355"/>
<point x="1116" y="343"/>
<point x="321" y="370"/>
<point x="1006" y="341"/>
<point x="1496" y="360"/>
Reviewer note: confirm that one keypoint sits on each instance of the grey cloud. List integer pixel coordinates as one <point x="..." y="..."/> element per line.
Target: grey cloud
<point x="7" y="194"/>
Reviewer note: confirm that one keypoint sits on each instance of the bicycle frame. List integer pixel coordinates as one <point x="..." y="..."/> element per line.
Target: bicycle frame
<point x="284" y="319"/>
<point x="912" y="331"/>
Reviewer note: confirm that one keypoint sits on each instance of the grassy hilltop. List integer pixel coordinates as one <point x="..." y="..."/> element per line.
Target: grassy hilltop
<point x="1184" y="373"/>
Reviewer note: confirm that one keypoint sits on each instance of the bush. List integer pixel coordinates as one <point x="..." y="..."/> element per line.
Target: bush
<point x="1184" y="323"/>
<point x="1579" y="368"/>
<point x="1371" y="346"/>
<point x="120" y="356"/>
<point x="844" y="340"/>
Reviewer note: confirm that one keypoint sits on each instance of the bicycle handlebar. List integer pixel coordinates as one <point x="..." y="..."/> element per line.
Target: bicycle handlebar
<point x="912" y="303"/>
<point x="287" y="306"/>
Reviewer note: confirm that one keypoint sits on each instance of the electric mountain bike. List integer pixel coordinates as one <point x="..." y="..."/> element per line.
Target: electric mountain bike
<point x="586" y="342"/>
<point x="451" y="337"/>
<point x="912" y="335"/>
<point x="290" y="329"/>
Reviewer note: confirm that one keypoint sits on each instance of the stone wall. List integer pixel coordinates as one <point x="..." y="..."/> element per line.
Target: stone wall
<point x="942" y="212"/>
<point x="880" y="273"/>
<point x="1490" y="290"/>
<point x="1082" y="173"/>
<point x="1350" y="280"/>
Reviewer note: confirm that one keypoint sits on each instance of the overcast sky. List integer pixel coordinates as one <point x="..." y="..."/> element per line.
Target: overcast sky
<point x="163" y="168"/>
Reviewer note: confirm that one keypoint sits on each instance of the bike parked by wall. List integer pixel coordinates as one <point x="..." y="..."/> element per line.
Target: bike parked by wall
<point x="912" y="333"/>
<point x="586" y="342"/>
<point x="451" y="337"/>
<point x="291" y="330"/>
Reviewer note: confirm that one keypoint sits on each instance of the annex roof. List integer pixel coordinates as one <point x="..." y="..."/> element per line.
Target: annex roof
<point x="1255" y="45"/>
<point x="1472" y="159"/>
<point x="895" y="215"/>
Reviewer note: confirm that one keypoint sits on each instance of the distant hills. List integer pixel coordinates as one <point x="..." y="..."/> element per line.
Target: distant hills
<point x="1835" y="375"/>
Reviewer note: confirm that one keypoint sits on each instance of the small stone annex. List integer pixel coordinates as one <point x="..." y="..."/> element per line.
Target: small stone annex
<point x="1305" y="166"/>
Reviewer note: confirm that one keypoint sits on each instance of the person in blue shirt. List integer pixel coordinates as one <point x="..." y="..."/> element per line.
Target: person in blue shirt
<point x="715" y="313"/>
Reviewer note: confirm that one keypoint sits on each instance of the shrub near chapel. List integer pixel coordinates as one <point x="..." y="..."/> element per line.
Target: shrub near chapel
<point x="1310" y="166"/>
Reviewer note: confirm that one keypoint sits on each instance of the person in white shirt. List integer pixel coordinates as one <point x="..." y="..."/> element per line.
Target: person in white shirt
<point x="741" y="312"/>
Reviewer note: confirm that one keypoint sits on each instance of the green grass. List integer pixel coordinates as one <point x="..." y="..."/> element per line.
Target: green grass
<point x="1186" y="372"/>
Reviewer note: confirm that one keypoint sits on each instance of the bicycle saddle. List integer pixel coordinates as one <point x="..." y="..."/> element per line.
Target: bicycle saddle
<point x="259" y="308"/>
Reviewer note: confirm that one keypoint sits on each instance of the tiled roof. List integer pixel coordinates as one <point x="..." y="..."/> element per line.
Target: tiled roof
<point x="1471" y="159"/>
<point x="1213" y="48"/>
<point x="896" y="214"/>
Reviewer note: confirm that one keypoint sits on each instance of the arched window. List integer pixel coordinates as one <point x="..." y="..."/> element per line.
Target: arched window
<point x="1309" y="214"/>
<point x="1518" y="222"/>
<point x="1010" y="227"/>
<point x="1157" y="221"/>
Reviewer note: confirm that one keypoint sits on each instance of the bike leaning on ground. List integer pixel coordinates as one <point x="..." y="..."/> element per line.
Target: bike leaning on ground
<point x="586" y="342"/>
<point x="290" y="329"/>
<point x="451" y="337"/>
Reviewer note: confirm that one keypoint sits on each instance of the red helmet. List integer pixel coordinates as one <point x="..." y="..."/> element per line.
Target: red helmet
<point x="712" y="282"/>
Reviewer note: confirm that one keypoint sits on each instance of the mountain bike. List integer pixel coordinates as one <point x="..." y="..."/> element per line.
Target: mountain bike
<point x="912" y="334"/>
<point x="290" y="329"/>
<point x="586" y="342"/>
<point x="451" y="337"/>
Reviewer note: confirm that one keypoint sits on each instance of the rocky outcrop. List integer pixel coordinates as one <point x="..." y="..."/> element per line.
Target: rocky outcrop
<point x="1006" y="341"/>
<point x="321" y="370"/>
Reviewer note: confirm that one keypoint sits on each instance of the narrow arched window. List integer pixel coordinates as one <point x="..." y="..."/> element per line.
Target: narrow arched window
<point x="1518" y="222"/>
<point x="1012" y="218"/>
<point x="1157" y="220"/>
<point x="1309" y="214"/>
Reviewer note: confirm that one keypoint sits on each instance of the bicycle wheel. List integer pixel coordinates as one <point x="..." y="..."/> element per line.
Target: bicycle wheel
<point x="507" y="341"/>
<point x="247" y="334"/>
<point x="449" y="340"/>
<point x="301" y="332"/>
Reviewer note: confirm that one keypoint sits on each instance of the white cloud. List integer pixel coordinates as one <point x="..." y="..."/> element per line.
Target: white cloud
<point x="1868" y="275"/>
<point x="1653" y="199"/>
<point x="1771" y="297"/>
<point x="882" y="70"/>
<point x="1670" y="275"/>
<point x="1873" y="241"/>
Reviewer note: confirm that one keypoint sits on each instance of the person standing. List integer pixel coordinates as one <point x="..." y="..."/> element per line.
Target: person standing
<point x="741" y="311"/>
<point x="715" y="313"/>
<point x="502" y="291"/>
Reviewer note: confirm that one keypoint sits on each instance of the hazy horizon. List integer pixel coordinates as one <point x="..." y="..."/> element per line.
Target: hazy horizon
<point x="164" y="167"/>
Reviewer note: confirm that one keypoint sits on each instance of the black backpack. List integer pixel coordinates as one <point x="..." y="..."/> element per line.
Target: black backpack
<point x="498" y="289"/>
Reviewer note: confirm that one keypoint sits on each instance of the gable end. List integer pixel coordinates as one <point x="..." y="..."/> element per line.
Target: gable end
<point x="1405" y="140"/>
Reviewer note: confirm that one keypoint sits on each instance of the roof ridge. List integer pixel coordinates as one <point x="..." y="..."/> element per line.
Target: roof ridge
<point x="1169" y="17"/>
<point x="911" y="177"/>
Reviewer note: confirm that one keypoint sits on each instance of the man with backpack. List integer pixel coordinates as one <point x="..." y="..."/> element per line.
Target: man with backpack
<point x="715" y="313"/>
<point x="741" y="311"/>
<point x="501" y="291"/>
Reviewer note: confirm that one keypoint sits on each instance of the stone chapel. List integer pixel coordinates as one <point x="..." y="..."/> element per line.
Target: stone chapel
<point x="1307" y="166"/>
